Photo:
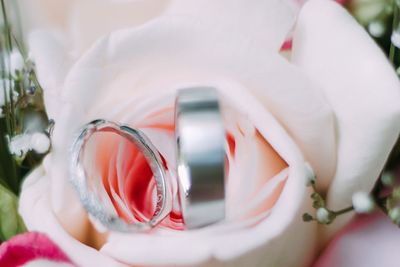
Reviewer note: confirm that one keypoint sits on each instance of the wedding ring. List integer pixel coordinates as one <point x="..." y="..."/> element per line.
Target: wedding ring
<point x="92" y="192"/>
<point x="200" y="139"/>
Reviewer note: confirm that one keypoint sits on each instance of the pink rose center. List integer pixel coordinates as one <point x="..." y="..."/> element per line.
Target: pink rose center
<point x="128" y="181"/>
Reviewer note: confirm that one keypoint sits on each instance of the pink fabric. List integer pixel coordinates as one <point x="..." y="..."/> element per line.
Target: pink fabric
<point x="30" y="246"/>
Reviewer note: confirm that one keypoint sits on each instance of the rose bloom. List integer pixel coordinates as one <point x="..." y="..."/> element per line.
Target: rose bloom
<point x="331" y="102"/>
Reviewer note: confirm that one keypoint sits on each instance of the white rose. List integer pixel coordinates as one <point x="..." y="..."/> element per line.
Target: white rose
<point x="82" y="22"/>
<point x="334" y="105"/>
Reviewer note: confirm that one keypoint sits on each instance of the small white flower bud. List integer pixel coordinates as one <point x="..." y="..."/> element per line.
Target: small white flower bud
<point x="19" y="145"/>
<point x="363" y="202"/>
<point x="376" y="29"/>
<point x="40" y="143"/>
<point x="323" y="216"/>
<point x="388" y="179"/>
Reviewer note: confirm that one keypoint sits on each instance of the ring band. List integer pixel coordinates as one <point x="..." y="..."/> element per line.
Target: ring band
<point x="200" y="139"/>
<point x="92" y="197"/>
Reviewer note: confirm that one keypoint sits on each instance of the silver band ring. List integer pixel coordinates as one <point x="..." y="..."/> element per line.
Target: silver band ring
<point x="200" y="139"/>
<point x="92" y="198"/>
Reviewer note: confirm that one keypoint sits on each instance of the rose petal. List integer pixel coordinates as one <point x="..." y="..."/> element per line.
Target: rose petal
<point x="44" y="13"/>
<point x="267" y="21"/>
<point x="86" y="26"/>
<point x="362" y="88"/>
<point x="354" y="246"/>
<point x="77" y="23"/>
<point x="29" y="247"/>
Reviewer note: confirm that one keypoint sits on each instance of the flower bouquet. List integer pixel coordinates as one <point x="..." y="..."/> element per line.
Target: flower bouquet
<point x="200" y="133"/>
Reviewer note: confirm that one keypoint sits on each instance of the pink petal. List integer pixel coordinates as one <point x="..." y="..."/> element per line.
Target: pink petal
<point x="28" y="247"/>
<point x="368" y="241"/>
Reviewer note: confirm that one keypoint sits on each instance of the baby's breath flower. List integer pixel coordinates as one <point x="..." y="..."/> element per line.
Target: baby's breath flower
<point x="387" y="178"/>
<point x="40" y="143"/>
<point x="324" y="216"/>
<point x="376" y="29"/>
<point x="363" y="202"/>
<point x="19" y="145"/>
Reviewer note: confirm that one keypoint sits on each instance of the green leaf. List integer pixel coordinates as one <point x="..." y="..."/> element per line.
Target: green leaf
<point x="10" y="222"/>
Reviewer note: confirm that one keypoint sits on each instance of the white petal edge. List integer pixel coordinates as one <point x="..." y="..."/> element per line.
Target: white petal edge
<point x="36" y="211"/>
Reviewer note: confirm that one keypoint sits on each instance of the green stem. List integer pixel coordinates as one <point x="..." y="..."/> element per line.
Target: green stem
<point x="8" y="50"/>
<point x="343" y="211"/>
<point x="8" y="171"/>
<point x="18" y="24"/>
<point x="8" y="168"/>
<point x="6" y="25"/>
